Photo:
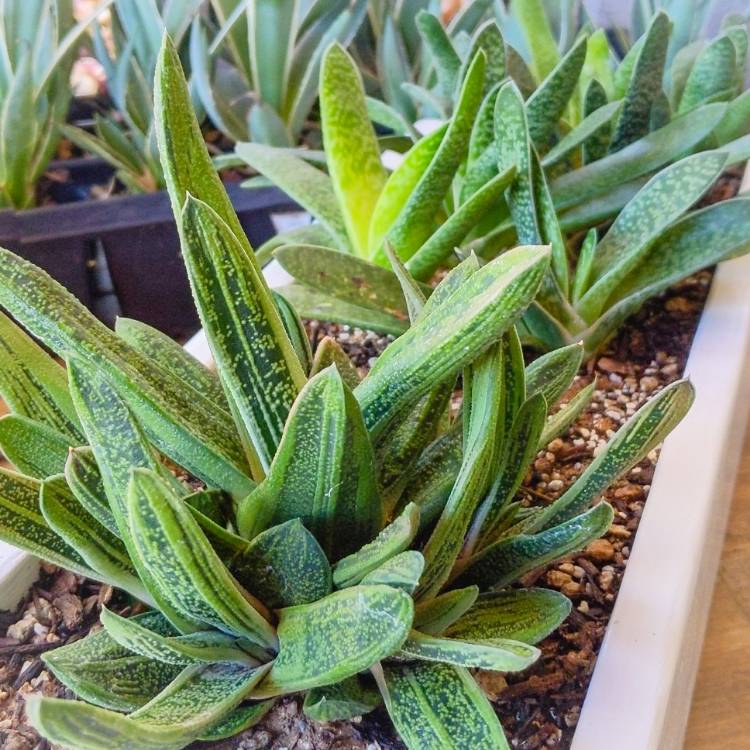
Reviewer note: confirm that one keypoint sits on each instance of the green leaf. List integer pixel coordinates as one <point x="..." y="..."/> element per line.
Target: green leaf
<point x="285" y="566"/>
<point x="489" y="39"/>
<point x="508" y="559"/>
<point x="632" y="442"/>
<point x="400" y="572"/>
<point x="562" y="419"/>
<point x="413" y="295"/>
<point x="168" y="354"/>
<point x="449" y="235"/>
<point x="341" y="702"/>
<point x="640" y="158"/>
<point x="416" y="222"/>
<point x="596" y="146"/>
<point x="400" y="185"/>
<point x="546" y="105"/>
<point x="344" y="277"/>
<point x="334" y="638"/>
<point x="440" y="707"/>
<point x="99" y="670"/>
<point x="238" y="720"/>
<point x="323" y="472"/>
<point x="534" y="23"/>
<point x="498" y="654"/>
<point x="180" y="650"/>
<point x="23" y="525"/>
<point x="436" y="615"/>
<point x="644" y="85"/>
<point x="33" y="447"/>
<point x="184" y="567"/>
<point x="657" y="205"/>
<point x="254" y="355"/>
<point x="352" y="152"/>
<point x="552" y="374"/>
<point x="303" y="183"/>
<point x="527" y="615"/>
<point x="191" y="704"/>
<point x="444" y="57"/>
<point x="712" y="75"/>
<point x="329" y="352"/>
<point x="32" y="384"/>
<point x="85" y="481"/>
<point x="391" y="541"/>
<point x="452" y="335"/>
<point x="584" y="265"/>
<point x="318" y="305"/>
<point x="101" y="549"/>
<point x="188" y="428"/>
<point x="295" y="330"/>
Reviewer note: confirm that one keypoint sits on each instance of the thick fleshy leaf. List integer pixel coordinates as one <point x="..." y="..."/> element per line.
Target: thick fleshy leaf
<point x="452" y="335"/>
<point x="344" y="277"/>
<point x="400" y="185"/>
<point x="596" y="146"/>
<point x="444" y="56"/>
<point x="197" y="698"/>
<point x="657" y="205"/>
<point x="497" y="654"/>
<point x="546" y="105"/>
<point x="483" y="404"/>
<point x="336" y="637"/>
<point x="33" y="447"/>
<point x="85" y="481"/>
<point x="329" y="352"/>
<point x="181" y="650"/>
<point x="285" y="566"/>
<point x="318" y="305"/>
<point x="436" y="615"/>
<point x="644" y="85"/>
<point x="713" y="74"/>
<point x="295" y="330"/>
<point x="416" y="222"/>
<point x="100" y="548"/>
<point x="527" y="615"/>
<point x="451" y="233"/>
<point x="392" y="540"/>
<point x="507" y="560"/>
<point x="640" y="158"/>
<point x="440" y="707"/>
<point x="163" y="350"/>
<point x="413" y="295"/>
<point x="237" y="721"/>
<point x="305" y="184"/>
<point x="187" y="427"/>
<point x="639" y="435"/>
<point x="401" y="572"/>
<point x="534" y="23"/>
<point x="323" y="472"/>
<point x="352" y="152"/>
<point x="183" y="565"/>
<point x="99" y="670"/>
<point x="342" y="701"/>
<point x="564" y="417"/>
<point x="258" y="365"/>
<point x="23" y="525"/>
<point x="32" y="384"/>
<point x="552" y="374"/>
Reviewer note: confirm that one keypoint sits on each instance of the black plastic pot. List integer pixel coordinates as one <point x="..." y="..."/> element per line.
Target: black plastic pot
<point x="121" y="256"/>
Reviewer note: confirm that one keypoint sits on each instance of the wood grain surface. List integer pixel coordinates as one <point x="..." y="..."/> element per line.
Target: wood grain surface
<point x="721" y="702"/>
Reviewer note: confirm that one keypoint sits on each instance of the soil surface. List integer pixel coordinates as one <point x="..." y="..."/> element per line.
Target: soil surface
<point x="539" y="708"/>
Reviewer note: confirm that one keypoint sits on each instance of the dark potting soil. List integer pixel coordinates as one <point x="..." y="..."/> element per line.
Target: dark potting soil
<point x="539" y="708"/>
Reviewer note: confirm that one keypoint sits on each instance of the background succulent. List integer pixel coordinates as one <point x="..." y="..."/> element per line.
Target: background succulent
<point x="300" y="560"/>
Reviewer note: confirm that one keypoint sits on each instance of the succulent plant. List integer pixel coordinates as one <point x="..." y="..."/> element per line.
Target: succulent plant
<point x="125" y="137"/>
<point x="255" y="73"/>
<point x="37" y="49"/>
<point x="315" y="548"/>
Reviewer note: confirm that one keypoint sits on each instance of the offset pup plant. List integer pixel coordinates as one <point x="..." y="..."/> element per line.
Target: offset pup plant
<point x="37" y="50"/>
<point x="320" y="553"/>
<point x="256" y="73"/>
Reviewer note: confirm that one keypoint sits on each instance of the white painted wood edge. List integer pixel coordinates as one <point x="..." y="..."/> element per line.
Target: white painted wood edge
<point x="640" y="693"/>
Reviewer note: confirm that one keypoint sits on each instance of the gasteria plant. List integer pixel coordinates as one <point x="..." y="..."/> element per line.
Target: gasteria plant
<point x="128" y="50"/>
<point x="306" y="562"/>
<point x="37" y="49"/>
<point x="256" y="72"/>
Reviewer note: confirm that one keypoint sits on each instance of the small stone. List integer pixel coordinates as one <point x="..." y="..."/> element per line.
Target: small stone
<point x="555" y="446"/>
<point x="608" y="364"/>
<point x="555" y="485"/>
<point x="618" y="531"/>
<point x="23" y="629"/>
<point x="17" y="741"/>
<point x="671" y="369"/>
<point x="600" y="550"/>
<point x="679" y="305"/>
<point x="558" y="579"/>
<point x="71" y="609"/>
<point x="629" y="492"/>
